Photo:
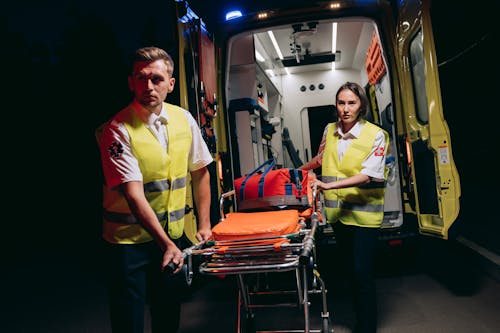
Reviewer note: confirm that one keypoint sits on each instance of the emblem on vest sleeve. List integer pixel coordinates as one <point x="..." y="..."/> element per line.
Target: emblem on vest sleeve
<point x="115" y="149"/>
<point x="379" y="151"/>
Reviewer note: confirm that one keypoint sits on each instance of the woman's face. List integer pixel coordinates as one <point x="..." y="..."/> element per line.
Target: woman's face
<point x="348" y="107"/>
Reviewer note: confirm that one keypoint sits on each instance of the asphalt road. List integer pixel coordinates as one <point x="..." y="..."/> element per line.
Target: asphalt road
<point x="439" y="286"/>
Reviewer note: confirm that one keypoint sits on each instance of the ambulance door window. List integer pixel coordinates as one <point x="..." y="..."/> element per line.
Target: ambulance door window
<point x="418" y="76"/>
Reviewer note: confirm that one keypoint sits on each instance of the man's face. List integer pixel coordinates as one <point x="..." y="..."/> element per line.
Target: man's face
<point x="151" y="83"/>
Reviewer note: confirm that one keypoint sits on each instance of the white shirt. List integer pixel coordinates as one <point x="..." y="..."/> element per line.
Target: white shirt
<point x="374" y="164"/>
<point x="119" y="163"/>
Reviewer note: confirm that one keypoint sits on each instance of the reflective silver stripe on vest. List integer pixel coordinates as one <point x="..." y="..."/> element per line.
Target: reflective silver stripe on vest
<point x="367" y="186"/>
<point x="360" y="207"/>
<point x="177" y="215"/>
<point x="157" y="186"/>
<point x="125" y="218"/>
<point x="328" y="179"/>
<point x="179" y="183"/>
<point x="164" y="185"/>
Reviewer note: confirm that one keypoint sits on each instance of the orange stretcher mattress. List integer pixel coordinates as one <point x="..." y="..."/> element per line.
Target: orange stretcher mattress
<point x="239" y="225"/>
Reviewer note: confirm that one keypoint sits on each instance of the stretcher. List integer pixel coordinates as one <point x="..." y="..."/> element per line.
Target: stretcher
<point x="254" y="245"/>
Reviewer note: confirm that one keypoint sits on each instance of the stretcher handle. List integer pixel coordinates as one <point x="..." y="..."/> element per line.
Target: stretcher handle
<point x="187" y="252"/>
<point x="309" y="240"/>
<point x="170" y="268"/>
<point x="314" y="198"/>
<point x="221" y="202"/>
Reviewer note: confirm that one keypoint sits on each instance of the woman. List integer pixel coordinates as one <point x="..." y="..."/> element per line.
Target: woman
<point x="352" y="157"/>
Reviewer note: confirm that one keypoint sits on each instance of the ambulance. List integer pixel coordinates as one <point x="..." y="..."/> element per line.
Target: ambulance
<point x="262" y="85"/>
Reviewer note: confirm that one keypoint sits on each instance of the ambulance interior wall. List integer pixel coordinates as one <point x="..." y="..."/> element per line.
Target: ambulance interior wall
<point x="295" y="117"/>
<point x="283" y="98"/>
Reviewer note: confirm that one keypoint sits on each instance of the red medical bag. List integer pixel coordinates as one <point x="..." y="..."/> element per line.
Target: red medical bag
<point x="272" y="189"/>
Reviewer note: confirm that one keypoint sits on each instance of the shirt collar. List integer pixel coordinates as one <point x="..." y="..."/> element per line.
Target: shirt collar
<point x="163" y="115"/>
<point x="147" y="117"/>
<point x="353" y="133"/>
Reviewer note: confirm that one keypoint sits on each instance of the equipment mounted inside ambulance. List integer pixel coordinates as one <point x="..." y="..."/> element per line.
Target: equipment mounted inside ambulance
<point x="266" y="83"/>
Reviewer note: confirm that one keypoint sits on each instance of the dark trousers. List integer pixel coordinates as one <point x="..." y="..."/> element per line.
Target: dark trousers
<point x="357" y="247"/>
<point x="135" y="279"/>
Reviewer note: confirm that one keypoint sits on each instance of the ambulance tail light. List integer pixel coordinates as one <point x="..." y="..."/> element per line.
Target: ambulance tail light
<point x="395" y="242"/>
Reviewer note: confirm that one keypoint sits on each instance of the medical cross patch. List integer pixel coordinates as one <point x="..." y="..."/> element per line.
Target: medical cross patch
<point x="115" y="149"/>
<point x="379" y="151"/>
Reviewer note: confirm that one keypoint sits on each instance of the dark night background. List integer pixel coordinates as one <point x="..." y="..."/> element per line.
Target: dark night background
<point x="64" y="72"/>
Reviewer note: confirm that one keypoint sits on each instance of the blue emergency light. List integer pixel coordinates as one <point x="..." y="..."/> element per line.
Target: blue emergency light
<point x="233" y="14"/>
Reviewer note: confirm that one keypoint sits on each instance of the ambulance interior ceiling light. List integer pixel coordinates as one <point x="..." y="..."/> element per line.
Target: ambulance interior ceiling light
<point x="269" y="72"/>
<point x="334" y="43"/>
<point x="277" y="48"/>
<point x="233" y="14"/>
<point x="275" y="44"/>
<point x="259" y="56"/>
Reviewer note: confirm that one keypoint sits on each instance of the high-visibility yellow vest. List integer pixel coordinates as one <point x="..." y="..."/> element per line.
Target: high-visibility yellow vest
<point x="164" y="177"/>
<point x="362" y="205"/>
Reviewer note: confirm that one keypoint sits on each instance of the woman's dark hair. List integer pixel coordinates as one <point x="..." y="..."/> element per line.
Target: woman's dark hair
<point x="358" y="91"/>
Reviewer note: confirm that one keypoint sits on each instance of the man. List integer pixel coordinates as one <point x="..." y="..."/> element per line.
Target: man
<point x="147" y="150"/>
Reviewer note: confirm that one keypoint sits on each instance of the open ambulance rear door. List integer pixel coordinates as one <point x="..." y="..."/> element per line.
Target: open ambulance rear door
<point x="198" y="94"/>
<point x="433" y="184"/>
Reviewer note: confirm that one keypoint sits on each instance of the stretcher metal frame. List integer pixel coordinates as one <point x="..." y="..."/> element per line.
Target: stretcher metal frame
<point x="295" y="252"/>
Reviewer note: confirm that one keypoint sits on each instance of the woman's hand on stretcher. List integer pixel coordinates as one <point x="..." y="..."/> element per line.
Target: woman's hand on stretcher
<point x="313" y="181"/>
<point x="311" y="175"/>
<point x="319" y="185"/>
